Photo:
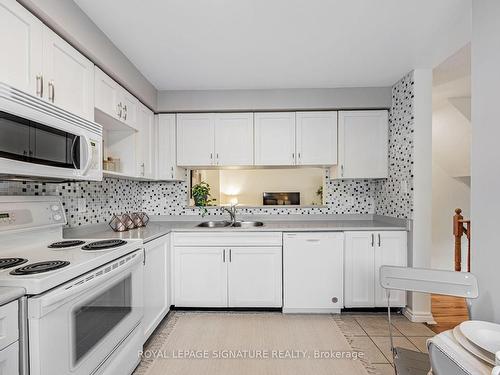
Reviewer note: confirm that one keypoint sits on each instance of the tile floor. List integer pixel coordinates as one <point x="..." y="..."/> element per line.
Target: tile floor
<point x="371" y="334"/>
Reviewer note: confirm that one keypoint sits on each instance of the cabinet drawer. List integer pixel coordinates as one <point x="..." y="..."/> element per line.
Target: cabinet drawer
<point x="8" y="324"/>
<point x="228" y="239"/>
<point x="9" y="359"/>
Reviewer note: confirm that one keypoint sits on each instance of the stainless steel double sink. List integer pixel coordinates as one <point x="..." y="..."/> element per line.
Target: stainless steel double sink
<point x="224" y="224"/>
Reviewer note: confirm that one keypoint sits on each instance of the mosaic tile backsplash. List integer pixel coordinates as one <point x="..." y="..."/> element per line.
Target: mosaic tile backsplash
<point x="384" y="197"/>
<point x="391" y="198"/>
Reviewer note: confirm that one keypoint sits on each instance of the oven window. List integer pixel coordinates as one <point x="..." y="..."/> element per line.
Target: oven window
<point x="97" y="317"/>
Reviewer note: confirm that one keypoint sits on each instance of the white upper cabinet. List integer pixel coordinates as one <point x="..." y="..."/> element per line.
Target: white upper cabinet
<point x="68" y="76"/>
<point x="39" y="62"/>
<point x="275" y="138"/>
<point x="167" y="166"/>
<point x="146" y="142"/>
<point x="317" y="138"/>
<point x="363" y="144"/>
<point x="114" y="101"/>
<point x="233" y="139"/>
<point x="21" y="45"/>
<point x="195" y="139"/>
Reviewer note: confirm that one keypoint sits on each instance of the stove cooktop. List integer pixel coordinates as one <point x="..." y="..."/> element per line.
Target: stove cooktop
<point x="65" y="244"/>
<point x="11" y="262"/>
<point x="103" y="245"/>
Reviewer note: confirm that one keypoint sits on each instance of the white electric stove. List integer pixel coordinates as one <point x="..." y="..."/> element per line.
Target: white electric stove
<point x="83" y="304"/>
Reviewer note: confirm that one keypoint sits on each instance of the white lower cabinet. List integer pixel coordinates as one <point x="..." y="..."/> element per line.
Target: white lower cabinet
<point x="200" y="277"/>
<point x="228" y="270"/>
<point x="254" y="277"/>
<point x="9" y="359"/>
<point x="156" y="287"/>
<point x="365" y="252"/>
<point x="313" y="272"/>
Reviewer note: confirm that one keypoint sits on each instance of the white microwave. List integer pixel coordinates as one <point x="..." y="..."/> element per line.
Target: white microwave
<point x="43" y="142"/>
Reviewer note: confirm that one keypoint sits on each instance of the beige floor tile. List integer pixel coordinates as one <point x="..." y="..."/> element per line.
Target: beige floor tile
<point x="420" y="343"/>
<point x="349" y="326"/>
<point x="366" y="345"/>
<point x="408" y="328"/>
<point x="376" y="326"/>
<point x="384" y="369"/>
<point x="383" y="343"/>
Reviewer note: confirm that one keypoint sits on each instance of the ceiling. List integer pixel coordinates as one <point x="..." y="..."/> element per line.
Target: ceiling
<point x="260" y="44"/>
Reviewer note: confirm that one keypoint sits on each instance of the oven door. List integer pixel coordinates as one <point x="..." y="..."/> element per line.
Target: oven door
<point x="74" y="328"/>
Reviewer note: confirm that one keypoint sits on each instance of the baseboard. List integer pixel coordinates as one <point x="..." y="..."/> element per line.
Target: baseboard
<point x="295" y="310"/>
<point x="418" y="317"/>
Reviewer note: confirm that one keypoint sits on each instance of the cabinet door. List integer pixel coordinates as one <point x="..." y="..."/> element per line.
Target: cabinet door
<point x="195" y="139"/>
<point x="130" y="108"/>
<point x="313" y="272"/>
<point x="145" y="143"/>
<point x="200" y="277"/>
<point x="68" y="76"/>
<point x="233" y="139"/>
<point x="317" y="138"/>
<point x="363" y="144"/>
<point x="167" y="165"/>
<point x="9" y="359"/>
<point x="275" y="138"/>
<point x="254" y="277"/>
<point x="156" y="283"/>
<point x="107" y="94"/>
<point x="359" y="269"/>
<point x="390" y="250"/>
<point x="21" y="45"/>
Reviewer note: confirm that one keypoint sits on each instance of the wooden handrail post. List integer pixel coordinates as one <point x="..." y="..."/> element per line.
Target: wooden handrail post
<point x="458" y="231"/>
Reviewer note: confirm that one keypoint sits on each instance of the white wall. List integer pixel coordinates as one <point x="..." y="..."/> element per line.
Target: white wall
<point x="451" y="133"/>
<point x="485" y="158"/>
<point x="419" y="305"/>
<point x="285" y="99"/>
<point x="69" y="21"/>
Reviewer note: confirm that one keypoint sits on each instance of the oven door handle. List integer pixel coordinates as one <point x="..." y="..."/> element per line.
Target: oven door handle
<point x="83" y="283"/>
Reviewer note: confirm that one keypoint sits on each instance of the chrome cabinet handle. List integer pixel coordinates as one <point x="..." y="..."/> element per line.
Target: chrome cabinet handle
<point x="224" y="256"/>
<point x="373" y="240"/>
<point x="299" y="155"/>
<point x="342" y="170"/>
<point x="379" y="240"/>
<point x="39" y="85"/>
<point x="52" y="91"/>
<point x="119" y="110"/>
<point x="230" y="255"/>
<point x="125" y="111"/>
<point x="143" y="169"/>
<point x="293" y="155"/>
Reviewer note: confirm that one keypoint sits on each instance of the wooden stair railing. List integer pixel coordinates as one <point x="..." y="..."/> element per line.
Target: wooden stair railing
<point x="461" y="227"/>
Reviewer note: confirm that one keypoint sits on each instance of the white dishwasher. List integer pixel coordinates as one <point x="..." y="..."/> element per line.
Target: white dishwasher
<point x="313" y="265"/>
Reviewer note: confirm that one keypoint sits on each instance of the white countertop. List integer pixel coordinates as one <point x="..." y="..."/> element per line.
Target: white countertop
<point x="156" y="229"/>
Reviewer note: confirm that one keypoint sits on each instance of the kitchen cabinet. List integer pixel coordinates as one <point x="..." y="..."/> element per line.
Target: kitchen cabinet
<point x="254" y="275"/>
<point x="275" y="138"/>
<point x="228" y="269"/>
<point x="156" y="283"/>
<point x="146" y="143"/>
<point x="39" y="62"/>
<point x="363" y="145"/>
<point x="215" y="139"/>
<point x="167" y="168"/>
<point x="233" y="139"/>
<point x="68" y="76"/>
<point x="9" y="359"/>
<point x="21" y="43"/>
<point x="200" y="277"/>
<point x="113" y="102"/>
<point x="365" y="252"/>
<point x="195" y="135"/>
<point x="313" y="272"/>
<point x="316" y="138"/>
<point x="9" y="340"/>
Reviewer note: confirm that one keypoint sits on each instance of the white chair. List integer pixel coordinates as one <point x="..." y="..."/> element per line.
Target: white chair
<point x="458" y="284"/>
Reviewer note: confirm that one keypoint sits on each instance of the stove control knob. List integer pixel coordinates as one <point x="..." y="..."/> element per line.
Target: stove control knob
<point x="57" y="217"/>
<point x="55" y="207"/>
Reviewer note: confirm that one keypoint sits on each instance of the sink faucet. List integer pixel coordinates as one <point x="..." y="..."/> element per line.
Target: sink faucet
<point x="232" y="213"/>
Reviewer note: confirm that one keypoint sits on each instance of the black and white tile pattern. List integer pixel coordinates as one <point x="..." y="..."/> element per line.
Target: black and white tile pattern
<point x="394" y="196"/>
